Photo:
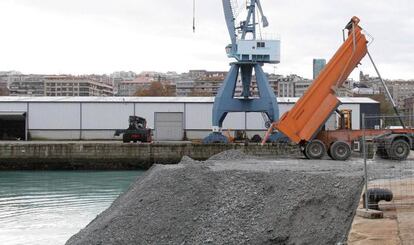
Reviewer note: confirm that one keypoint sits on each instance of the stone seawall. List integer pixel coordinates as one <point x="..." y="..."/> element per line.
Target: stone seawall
<point x="118" y="156"/>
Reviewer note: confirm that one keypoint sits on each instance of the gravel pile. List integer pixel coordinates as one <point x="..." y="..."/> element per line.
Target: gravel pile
<point x="231" y="155"/>
<point x="383" y="169"/>
<point x="233" y="202"/>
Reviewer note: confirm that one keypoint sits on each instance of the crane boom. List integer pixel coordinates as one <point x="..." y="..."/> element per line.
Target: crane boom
<point x="230" y="21"/>
<point x="264" y="19"/>
<point x="302" y="123"/>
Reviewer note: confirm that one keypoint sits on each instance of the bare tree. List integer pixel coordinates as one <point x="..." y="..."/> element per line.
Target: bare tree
<point x="156" y="89"/>
<point x="4" y="91"/>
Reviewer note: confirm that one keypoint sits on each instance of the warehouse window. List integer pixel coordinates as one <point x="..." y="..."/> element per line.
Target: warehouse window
<point x="261" y="44"/>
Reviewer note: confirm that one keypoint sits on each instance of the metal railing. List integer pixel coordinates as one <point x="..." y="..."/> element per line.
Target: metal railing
<point x="384" y="173"/>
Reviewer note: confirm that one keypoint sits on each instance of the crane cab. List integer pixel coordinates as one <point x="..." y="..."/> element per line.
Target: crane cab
<point x="261" y="51"/>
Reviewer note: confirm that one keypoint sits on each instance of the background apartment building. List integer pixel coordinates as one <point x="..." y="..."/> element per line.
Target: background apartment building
<point x="399" y="89"/>
<point x="402" y="90"/>
<point x="119" y="77"/>
<point x="129" y="88"/>
<point x="17" y="84"/>
<point x="143" y="81"/>
<point x="4" y="89"/>
<point x="184" y="88"/>
<point x="292" y="86"/>
<point x="75" y="86"/>
<point x="26" y="85"/>
<point x="200" y="83"/>
<point x="318" y="65"/>
<point x="408" y="110"/>
<point x="209" y="83"/>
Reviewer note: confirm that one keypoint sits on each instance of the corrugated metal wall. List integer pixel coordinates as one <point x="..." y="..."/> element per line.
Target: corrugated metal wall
<point x="98" y="120"/>
<point x="55" y="116"/>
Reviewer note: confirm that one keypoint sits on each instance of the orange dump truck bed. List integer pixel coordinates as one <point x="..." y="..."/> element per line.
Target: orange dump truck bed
<point x="303" y="122"/>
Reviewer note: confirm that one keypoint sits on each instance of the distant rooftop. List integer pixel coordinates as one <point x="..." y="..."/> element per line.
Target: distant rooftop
<point x="284" y="100"/>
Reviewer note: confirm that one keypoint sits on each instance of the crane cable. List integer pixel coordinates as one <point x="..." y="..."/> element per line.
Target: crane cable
<point x="260" y="26"/>
<point x="194" y="27"/>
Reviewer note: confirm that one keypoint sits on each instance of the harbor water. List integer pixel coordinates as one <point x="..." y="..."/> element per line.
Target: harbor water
<point x="49" y="207"/>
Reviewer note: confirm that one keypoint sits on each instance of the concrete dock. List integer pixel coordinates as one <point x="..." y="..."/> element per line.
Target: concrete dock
<point x="396" y="228"/>
<point x="115" y="155"/>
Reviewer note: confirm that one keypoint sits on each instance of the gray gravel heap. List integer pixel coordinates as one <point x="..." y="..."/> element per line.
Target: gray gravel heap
<point x="231" y="155"/>
<point x="233" y="201"/>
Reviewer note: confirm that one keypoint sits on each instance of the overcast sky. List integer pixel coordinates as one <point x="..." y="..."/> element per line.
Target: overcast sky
<point x="102" y="36"/>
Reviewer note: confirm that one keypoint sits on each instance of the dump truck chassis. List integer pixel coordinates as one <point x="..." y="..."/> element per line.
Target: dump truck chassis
<point x="338" y="144"/>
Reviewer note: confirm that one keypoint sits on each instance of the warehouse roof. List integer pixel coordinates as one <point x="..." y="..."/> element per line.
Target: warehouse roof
<point x="284" y="100"/>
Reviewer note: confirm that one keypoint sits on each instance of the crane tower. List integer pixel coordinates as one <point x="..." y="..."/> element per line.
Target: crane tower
<point x="250" y="51"/>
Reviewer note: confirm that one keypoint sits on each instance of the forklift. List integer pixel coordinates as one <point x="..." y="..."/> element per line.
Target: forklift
<point x="136" y="131"/>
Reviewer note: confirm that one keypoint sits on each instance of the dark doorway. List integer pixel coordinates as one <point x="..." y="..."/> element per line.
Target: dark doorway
<point x="12" y="126"/>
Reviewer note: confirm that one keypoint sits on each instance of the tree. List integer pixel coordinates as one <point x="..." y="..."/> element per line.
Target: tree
<point x="4" y="91"/>
<point x="156" y="89"/>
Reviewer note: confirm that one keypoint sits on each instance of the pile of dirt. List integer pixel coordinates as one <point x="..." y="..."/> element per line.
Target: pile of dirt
<point x="233" y="201"/>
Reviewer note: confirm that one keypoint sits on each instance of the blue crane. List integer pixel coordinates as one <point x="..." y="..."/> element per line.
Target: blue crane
<point x="250" y="52"/>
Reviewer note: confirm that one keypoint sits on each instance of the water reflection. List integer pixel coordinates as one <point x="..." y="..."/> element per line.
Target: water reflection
<point x="49" y="207"/>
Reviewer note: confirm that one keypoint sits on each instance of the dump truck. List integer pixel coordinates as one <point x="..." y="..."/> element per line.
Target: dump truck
<point x="304" y="123"/>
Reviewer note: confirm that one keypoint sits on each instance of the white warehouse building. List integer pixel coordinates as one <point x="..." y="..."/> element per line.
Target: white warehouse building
<point x="172" y="118"/>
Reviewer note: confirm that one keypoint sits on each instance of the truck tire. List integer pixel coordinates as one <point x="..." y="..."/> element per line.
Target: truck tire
<point x="315" y="149"/>
<point x="329" y="152"/>
<point x="382" y="153"/>
<point x="340" y="151"/>
<point x="256" y="138"/>
<point x="304" y="152"/>
<point x="148" y="138"/>
<point x="399" y="150"/>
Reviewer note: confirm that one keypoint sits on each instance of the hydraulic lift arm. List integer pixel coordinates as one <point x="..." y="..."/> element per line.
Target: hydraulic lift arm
<point x="303" y="122"/>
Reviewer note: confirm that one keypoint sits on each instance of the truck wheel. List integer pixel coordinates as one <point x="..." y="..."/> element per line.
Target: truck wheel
<point x="315" y="149"/>
<point x="382" y="153"/>
<point x="399" y="150"/>
<point x="329" y="152"/>
<point x="304" y="152"/>
<point x="340" y="151"/>
<point x="149" y="138"/>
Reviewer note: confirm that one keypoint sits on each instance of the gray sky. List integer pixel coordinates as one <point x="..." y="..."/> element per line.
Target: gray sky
<point x="101" y="36"/>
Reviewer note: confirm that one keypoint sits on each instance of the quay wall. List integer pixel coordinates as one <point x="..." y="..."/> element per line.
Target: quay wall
<point x="118" y="156"/>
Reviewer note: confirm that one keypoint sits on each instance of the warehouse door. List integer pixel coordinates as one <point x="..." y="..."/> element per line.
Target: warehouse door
<point x="169" y="126"/>
<point x="12" y="126"/>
